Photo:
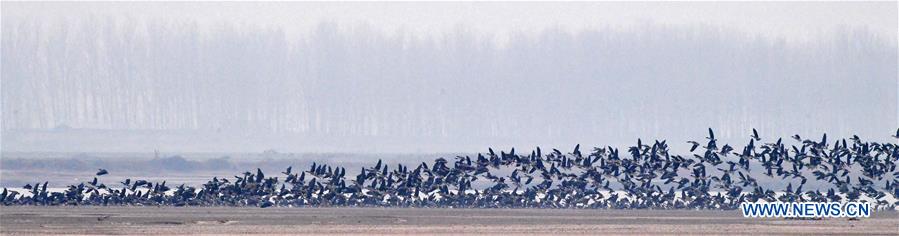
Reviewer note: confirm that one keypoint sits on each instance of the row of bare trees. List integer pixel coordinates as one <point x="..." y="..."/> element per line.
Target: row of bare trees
<point x="338" y="80"/>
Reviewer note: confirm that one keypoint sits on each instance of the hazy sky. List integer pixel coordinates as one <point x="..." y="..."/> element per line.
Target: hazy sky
<point x="76" y="76"/>
<point x="793" y="22"/>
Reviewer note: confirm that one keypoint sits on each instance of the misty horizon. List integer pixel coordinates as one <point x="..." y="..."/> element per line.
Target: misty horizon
<point x="116" y="84"/>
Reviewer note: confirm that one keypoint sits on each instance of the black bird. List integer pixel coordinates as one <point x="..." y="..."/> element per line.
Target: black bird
<point x="695" y="145"/>
<point x="600" y="179"/>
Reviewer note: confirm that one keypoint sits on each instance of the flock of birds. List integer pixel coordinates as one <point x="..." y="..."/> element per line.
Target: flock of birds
<point x="645" y="176"/>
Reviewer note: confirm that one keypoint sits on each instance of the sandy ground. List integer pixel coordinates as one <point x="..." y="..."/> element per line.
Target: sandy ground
<point x="204" y="220"/>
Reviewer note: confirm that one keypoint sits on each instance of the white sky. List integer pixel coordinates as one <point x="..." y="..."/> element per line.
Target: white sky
<point x="791" y="21"/>
<point x="794" y="22"/>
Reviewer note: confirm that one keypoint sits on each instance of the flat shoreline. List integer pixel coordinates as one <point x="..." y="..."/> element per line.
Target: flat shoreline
<point x="31" y="220"/>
